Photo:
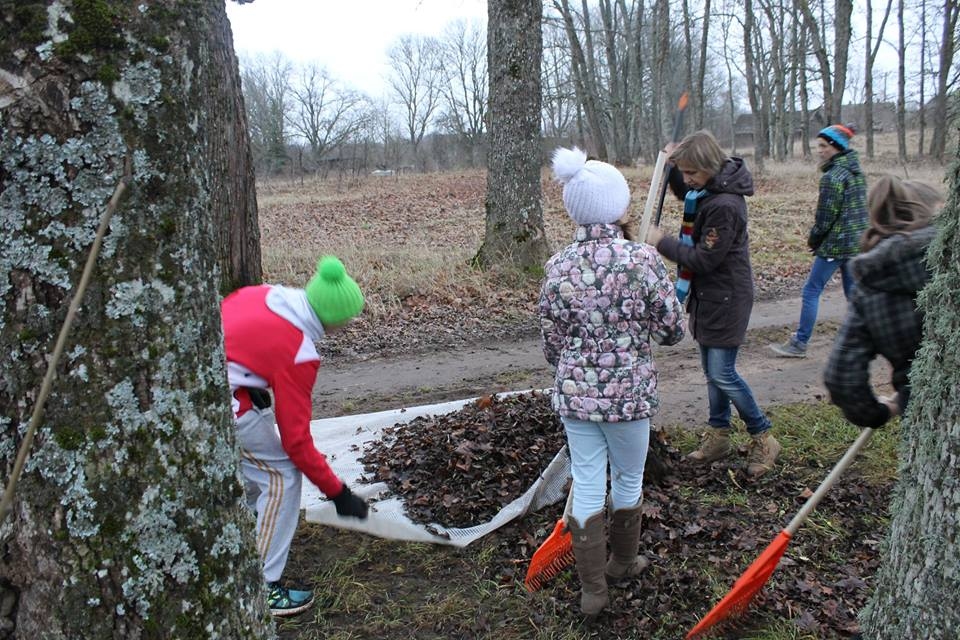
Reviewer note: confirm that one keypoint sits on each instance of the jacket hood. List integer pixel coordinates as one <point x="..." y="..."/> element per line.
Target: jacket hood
<point x="848" y="159"/>
<point x="897" y="264"/>
<point x="734" y="177"/>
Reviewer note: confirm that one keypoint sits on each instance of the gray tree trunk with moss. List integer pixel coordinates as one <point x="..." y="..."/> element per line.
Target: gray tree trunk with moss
<point x="514" y="216"/>
<point x="918" y="585"/>
<point x="128" y="521"/>
<point x="233" y="198"/>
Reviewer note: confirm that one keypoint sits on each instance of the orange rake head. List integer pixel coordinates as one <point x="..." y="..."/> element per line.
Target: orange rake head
<point x="745" y="588"/>
<point x="550" y="558"/>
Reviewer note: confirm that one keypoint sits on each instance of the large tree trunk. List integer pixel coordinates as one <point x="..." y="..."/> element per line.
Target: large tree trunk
<point x="945" y="76"/>
<point x="128" y="521"/>
<point x="233" y="195"/>
<point x="918" y="585"/>
<point x="514" y="217"/>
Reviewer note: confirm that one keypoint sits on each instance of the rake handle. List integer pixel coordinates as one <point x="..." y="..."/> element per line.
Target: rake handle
<point x="568" y="505"/>
<point x="829" y="481"/>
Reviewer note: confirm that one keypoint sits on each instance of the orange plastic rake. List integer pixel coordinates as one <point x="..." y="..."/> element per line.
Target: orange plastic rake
<point x="554" y="555"/>
<point x="757" y="574"/>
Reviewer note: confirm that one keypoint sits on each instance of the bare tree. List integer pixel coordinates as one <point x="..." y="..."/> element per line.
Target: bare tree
<point x="462" y="59"/>
<point x="128" y="520"/>
<point x="832" y="74"/>
<point x="514" y="219"/>
<point x="754" y="90"/>
<point x="559" y="94"/>
<point x="777" y="59"/>
<point x="700" y="88"/>
<point x="916" y="594"/>
<point x="584" y="80"/>
<point x="415" y="82"/>
<point x="266" y="92"/>
<point x="901" y="86"/>
<point x="945" y="80"/>
<point x="325" y="113"/>
<point x="869" y="61"/>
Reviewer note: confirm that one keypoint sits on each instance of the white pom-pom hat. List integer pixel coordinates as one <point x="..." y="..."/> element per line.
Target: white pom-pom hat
<point x="594" y="192"/>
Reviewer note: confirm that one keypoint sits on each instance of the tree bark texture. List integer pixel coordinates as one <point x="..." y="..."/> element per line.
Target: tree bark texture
<point x="945" y="80"/>
<point x="514" y="217"/>
<point x="233" y="194"/>
<point x="128" y="520"/>
<point x="918" y="585"/>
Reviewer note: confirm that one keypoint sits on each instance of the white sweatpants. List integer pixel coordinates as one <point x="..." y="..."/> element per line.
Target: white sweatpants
<point x="272" y="483"/>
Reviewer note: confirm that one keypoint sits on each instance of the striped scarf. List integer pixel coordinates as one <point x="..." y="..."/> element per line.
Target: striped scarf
<point x="684" y="275"/>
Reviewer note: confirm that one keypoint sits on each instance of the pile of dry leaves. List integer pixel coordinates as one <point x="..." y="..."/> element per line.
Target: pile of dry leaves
<point x="460" y="469"/>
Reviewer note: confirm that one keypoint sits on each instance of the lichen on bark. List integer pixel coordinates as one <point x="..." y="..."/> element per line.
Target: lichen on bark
<point x="132" y="479"/>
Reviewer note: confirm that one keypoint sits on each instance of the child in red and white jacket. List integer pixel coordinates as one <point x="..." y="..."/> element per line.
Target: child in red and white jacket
<point x="269" y="334"/>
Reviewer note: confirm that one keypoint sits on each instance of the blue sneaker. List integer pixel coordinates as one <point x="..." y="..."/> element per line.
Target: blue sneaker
<point x="287" y="602"/>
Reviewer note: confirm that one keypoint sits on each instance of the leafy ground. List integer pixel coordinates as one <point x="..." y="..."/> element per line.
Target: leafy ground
<point x="409" y="241"/>
<point x="702" y="529"/>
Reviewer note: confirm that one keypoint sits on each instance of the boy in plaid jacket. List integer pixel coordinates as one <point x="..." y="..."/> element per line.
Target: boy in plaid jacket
<point x="835" y="236"/>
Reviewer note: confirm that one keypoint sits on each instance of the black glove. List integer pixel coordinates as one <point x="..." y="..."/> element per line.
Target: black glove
<point x="350" y="505"/>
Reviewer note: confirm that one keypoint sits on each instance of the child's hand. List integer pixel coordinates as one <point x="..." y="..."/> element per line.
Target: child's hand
<point x="349" y="504"/>
<point x="654" y="234"/>
<point x="892" y="402"/>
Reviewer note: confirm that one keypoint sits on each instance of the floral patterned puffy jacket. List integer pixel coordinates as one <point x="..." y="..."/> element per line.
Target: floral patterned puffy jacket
<point x="603" y="299"/>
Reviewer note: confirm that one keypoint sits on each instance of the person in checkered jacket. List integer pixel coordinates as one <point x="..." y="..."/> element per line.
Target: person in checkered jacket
<point x="882" y="317"/>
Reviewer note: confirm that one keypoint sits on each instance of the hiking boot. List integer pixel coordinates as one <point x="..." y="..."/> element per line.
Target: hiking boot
<point x="792" y="348"/>
<point x="287" y="602"/>
<point x="715" y="445"/>
<point x="761" y="452"/>
<point x="624" y="544"/>
<point x="590" y="553"/>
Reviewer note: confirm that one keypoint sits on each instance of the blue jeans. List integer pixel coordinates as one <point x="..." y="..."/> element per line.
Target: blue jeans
<point x="591" y="444"/>
<point x="724" y="385"/>
<point x="821" y="271"/>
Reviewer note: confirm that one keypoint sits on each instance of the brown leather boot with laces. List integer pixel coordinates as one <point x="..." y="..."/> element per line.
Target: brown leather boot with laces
<point x="763" y="451"/>
<point x="715" y="445"/>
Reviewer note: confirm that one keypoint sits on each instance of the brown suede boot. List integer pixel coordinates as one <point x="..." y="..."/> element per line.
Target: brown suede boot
<point x="624" y="544"/>
<point x="715" y="445"/>
<point x="763" y="451"/>
<point x="590" y="551"/>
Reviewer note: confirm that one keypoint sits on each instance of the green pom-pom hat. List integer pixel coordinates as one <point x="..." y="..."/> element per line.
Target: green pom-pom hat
<point x="334" y="295"/>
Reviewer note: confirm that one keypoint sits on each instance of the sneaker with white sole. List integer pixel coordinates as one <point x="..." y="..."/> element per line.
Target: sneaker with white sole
<point x="287" y="602"/>
<point x="790" y="349"/>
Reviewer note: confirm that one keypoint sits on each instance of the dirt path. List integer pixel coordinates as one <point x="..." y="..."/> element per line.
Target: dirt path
<point x="393" y="383"/>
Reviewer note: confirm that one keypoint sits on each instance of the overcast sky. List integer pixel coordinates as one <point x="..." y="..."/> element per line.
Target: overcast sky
<point x="349" y="37"/>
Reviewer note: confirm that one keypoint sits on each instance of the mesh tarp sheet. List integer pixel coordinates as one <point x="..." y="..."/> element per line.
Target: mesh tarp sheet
<point x="343" y="441"/>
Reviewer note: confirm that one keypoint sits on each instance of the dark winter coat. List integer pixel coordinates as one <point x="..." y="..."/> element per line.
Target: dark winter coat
<point x="882" y="319"/>
<point x="841" y="208"/>
<point x="721" y="291"/>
